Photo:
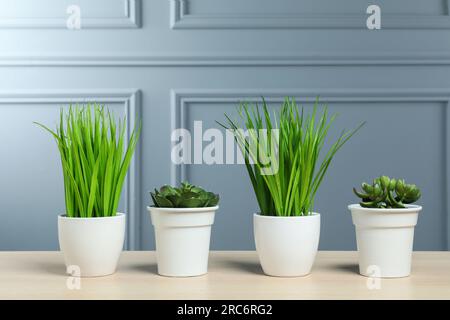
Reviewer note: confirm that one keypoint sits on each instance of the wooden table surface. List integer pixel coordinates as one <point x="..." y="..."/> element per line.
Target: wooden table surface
<point x="232" y="275"/>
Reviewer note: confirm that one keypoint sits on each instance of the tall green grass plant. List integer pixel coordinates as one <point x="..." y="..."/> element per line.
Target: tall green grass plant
<point x="94" y="159"/>
<point x="291" y="189"/>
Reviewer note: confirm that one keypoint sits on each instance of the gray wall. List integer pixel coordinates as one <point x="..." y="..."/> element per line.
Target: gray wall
<point x="173" y="62"/>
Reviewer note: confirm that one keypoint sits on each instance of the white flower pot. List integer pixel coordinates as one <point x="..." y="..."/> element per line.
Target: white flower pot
<point x="91" y="246"/>
<point x="182" y="239"/>
<point x="385" y="240"/>
<point x="287" y="246"/>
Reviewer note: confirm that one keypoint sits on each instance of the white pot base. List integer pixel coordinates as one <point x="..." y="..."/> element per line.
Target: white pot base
<point x="385" y="240"/>
<point x="276" y="239"/>
<point x="182" y="237"/>
<point x="91" y="246"/>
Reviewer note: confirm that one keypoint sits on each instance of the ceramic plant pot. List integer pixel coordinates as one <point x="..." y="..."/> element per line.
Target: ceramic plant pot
<point x="182" y="238"/>
<point x="91" y="246"/>
<point x="385" y="240"/>
<point x="287" y="246"/>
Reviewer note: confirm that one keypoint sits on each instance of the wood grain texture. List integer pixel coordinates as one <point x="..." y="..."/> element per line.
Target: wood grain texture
<point x="232" y="275"/>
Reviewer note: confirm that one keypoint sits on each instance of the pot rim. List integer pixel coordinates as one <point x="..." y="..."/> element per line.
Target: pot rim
<point x="410" y="208"/>
<point x="181" y="210"/>
<point x="65" y="217"/>
<point x="314" y="214"/>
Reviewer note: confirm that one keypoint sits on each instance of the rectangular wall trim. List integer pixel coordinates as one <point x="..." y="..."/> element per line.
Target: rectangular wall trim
<point x="131" y="102"/>
<point x="181" y="98"/>
<point x="211" y="59"/>
<point x="28" y="14"/>
<point x="182" y="18"/>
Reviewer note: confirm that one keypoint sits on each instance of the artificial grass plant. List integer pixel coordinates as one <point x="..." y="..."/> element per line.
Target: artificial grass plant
<point x="295" y="142"/>
<point x="94" y="163"/>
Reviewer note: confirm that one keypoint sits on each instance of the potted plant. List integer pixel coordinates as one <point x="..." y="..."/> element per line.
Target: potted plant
<point x="384" y="221"/>
<point x="282" y="160"/>
<point x="94" y="165"/>
<point x="182" y="218"/>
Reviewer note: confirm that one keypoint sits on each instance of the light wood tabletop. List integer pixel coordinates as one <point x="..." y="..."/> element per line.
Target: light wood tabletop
<point x="232" y="275"/>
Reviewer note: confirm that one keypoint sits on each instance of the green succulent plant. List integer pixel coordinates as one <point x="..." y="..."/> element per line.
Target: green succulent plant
<point x="385" y="192"/>
<point x="186" y="196"/>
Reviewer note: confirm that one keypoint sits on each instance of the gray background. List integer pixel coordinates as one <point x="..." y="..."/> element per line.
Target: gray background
<point x="173" y="62"/>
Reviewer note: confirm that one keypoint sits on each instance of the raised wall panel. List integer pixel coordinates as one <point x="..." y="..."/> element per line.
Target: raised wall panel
<point x="306" y="14"/>
<point x="32" y="14"/>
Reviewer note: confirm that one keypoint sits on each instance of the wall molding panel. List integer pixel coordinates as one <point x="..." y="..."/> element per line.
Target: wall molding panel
<point x="121" y="14"/>
<point x="231" y="60"/>
<point x="181" y="98"/>
<point x="183" y="18"/>
<point x="131" y="105"/>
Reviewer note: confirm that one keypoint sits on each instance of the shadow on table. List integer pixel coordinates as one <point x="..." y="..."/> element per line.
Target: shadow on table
<point x="147" y="268"/>
<point x="54" y="268"/>
<point x="348" y="268"/>
<point x="246" y="266"/>
<point x="59" y="269"/>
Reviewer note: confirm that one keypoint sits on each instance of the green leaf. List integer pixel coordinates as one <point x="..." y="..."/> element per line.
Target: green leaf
<point x="191" y="203"/>
<point x="163" y="202"/>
